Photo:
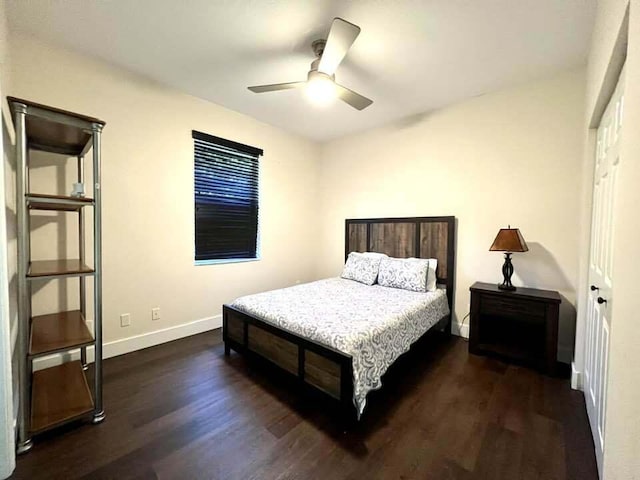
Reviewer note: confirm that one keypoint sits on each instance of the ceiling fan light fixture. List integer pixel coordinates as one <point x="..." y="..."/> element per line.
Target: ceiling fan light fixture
<point x="320" y="89"/>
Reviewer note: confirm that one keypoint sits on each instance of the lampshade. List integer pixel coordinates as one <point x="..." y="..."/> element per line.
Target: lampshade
<point x="509" y="240"/>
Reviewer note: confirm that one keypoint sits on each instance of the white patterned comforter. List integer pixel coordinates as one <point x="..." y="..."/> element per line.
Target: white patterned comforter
<point x="373" y="324"/>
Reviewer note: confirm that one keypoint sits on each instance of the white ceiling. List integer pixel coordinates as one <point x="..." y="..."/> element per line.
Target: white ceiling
<point x="411" y="57"/>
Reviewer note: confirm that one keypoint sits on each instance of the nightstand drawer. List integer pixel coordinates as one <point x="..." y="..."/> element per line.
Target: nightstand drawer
<point x="494" y="305"/>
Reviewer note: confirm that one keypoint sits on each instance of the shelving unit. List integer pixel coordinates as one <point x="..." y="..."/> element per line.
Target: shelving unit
<point x="57" y="395"/>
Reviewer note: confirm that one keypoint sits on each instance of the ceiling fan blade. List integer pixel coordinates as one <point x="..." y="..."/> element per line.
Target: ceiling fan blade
<point x="276" y="86"/>
<point x="354" y="99"/>
<point x="341" y="37"/>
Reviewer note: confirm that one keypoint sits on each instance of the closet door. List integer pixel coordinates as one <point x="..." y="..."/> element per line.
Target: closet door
<point x="601" y="284"/>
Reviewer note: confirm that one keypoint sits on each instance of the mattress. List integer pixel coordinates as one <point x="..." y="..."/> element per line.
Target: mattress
<point x="372" y="324"/>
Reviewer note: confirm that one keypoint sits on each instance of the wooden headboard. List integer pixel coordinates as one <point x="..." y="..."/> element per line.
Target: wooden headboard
<point x="420" y="237"/>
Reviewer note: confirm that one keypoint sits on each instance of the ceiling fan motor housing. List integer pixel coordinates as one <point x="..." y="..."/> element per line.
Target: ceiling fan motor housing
<point x="318" y="49"/>
<point x="318" y="46"/>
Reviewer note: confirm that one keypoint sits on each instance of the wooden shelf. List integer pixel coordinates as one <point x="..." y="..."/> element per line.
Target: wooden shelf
<point x="53" y="268"/>
<point x="60" y="394"/>
<point x="58" y="331"/>
<point x="62" y="203"/>
<point x="59" y="131"/>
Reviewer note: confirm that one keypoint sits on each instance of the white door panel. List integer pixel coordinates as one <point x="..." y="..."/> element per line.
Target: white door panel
<point x="601" y="275"/>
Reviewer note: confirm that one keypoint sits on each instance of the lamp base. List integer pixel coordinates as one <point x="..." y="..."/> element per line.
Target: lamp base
<point x="507" y="271"/>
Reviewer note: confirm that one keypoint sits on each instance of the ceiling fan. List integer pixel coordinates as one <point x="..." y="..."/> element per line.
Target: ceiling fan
<point x="321" y="86"/>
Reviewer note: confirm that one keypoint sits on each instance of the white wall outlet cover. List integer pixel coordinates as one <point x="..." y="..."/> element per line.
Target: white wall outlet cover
<point x="155" y="313"/>
<point x="125" y="320"/>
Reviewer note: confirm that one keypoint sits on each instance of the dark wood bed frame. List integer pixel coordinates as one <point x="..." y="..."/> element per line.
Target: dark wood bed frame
<point x="321" y="367"/>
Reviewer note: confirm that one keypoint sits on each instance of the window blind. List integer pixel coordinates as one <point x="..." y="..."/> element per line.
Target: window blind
<point x="226" y="198"/>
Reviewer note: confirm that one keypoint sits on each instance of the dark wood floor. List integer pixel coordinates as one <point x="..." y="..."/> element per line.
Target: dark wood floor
<point x="183" y="410"/>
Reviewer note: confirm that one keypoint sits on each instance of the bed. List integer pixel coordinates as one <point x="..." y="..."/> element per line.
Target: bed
<point x="339" y="336"/>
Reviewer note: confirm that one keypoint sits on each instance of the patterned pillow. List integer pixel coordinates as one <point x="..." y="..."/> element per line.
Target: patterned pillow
<point x="361" y="268"/>
<point x="432" y="279"/>
<point x="404" y="273"/>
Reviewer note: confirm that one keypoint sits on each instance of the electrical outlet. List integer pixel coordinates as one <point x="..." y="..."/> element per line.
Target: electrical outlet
<point x="125" y="320"/>
<point x="155" y="313"/>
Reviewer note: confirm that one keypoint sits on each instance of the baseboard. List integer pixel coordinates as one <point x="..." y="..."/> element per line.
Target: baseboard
<point x="136" y="342"/>
<point x="460" y="330"/>
<point x="16" y="402"/>
<point x="16" y="398"/>
<point x="13" y="341"/>
<point x="576" y="377"/>
<point x="565" y="354"/>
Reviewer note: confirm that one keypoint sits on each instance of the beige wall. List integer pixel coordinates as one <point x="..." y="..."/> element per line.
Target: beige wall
<point x="10" y="216"/>
<point x="510" y="157"/>
<point x="7" y="410"/>
<point x="148" y="193"/>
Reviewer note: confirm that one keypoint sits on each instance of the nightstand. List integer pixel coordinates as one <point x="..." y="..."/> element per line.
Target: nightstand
<point x="521" y="325"/>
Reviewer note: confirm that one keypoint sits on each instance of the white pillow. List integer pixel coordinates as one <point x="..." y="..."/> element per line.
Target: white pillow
<point x="361" y="268"/>
<point x="404" y="273"/>
<point x="432" y="278"/>
<point x="374" y="254"/>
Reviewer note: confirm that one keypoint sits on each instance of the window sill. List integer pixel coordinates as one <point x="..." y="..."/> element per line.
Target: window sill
<point x="225" y="260"/>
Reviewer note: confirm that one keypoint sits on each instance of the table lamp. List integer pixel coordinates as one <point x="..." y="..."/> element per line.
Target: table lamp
<point x="508" y="240"/>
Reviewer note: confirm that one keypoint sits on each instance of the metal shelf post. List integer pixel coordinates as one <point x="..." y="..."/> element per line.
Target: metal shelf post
<point x="98" y="415"/>
<point x="81" y="256"/>
<point x="24" y="436"/>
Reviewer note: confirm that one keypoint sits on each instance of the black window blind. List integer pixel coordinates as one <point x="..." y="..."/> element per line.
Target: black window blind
<point x="226" y="198"/>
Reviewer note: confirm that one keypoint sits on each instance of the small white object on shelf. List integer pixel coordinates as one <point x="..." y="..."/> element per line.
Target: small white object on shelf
<point x="78" y="190"/>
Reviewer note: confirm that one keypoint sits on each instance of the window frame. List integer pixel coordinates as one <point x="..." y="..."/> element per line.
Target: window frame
<point x="246" y="149"/>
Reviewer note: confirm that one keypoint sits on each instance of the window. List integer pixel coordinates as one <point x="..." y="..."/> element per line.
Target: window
<point x="226" y="199"/>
